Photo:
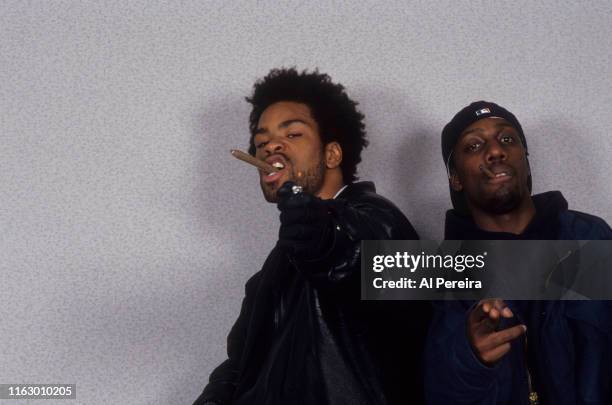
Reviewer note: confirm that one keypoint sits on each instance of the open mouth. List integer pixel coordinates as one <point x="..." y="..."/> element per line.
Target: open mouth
<point x="497" y="175"/>
<point x="279" y="163"/>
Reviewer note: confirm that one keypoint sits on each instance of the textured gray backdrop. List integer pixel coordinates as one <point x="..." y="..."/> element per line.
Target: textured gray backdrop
<point x="128" y="231"/>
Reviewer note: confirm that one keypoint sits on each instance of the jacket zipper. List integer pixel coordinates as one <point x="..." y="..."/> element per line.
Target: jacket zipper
<point x="533" y="395"/>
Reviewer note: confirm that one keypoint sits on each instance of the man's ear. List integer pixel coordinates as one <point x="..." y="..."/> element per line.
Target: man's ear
<point x="454" y="181"/>
<point x="333" y="155"/>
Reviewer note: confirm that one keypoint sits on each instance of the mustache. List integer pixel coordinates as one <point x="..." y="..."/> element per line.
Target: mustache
<point x="278" y="154"/>
<point x="491" y="170"/>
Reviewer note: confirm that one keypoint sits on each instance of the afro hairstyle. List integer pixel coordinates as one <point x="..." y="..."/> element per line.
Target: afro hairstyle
<point x="335" y="113"/>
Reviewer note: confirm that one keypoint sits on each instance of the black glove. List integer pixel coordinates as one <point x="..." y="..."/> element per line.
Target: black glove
<point x="306" y="231"/>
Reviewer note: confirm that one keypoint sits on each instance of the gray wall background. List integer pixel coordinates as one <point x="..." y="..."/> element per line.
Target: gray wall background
<point x="128" y="231"/>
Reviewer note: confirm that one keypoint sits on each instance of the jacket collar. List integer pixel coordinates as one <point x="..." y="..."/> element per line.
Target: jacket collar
<point x="356" y="189"/>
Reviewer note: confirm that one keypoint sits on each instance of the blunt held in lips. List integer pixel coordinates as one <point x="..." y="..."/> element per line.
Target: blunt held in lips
<point x="488" y="172"/>
<point x="260" y="164"/>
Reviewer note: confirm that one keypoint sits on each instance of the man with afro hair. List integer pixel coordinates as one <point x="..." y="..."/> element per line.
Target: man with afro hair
<point x="303" y="335"/>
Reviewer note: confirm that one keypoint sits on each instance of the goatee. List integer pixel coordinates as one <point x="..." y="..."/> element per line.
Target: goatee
<point x="311" y="181"/>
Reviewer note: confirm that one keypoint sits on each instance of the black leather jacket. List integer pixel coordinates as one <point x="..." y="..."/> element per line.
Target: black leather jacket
<point x="304" y="336"/>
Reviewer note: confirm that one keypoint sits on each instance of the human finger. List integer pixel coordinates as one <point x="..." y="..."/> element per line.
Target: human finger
<point x="491" y="357"/>
<point x="502" y="307"/>
<point x="482" y="310"/>
<point x="507" y="335"/>
<point x="285" y="191"/>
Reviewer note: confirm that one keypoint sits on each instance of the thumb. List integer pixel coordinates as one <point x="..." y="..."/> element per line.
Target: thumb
<point x="285" y="191"/>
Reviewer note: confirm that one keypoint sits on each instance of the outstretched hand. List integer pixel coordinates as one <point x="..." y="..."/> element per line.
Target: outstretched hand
<point x="490" y="344"/>
<point x="306" y="228"/>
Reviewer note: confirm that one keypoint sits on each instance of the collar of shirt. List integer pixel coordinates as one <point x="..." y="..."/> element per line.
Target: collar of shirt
<point x="339" y="191"/>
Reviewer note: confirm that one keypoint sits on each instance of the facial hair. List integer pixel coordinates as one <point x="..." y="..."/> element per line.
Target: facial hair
<point x="502" y="201"/>
<point x="311" y="181"/>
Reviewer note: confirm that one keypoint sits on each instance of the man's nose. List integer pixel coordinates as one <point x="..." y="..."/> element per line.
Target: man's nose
<point x="274" y="145"/>
<point x="495" y="152"/>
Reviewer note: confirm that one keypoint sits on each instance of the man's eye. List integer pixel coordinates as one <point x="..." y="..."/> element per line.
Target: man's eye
<point x="260" y="145"/>
<point x="293" y="135"/>
<point x="473" y="147"/>
<point x="507" y="139"/>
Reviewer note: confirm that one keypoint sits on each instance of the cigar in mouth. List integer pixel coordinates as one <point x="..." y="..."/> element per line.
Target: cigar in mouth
<point x="488" y="172"/>
<point x="260" y="164"/>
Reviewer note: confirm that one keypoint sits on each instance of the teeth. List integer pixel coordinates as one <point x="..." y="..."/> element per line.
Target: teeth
<point x="278" y="165"/>
<point x="501" y="174"/>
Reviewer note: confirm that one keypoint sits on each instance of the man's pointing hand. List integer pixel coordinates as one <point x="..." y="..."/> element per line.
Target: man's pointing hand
<point x="306" y="228"/>
<point x="488" y="343"/>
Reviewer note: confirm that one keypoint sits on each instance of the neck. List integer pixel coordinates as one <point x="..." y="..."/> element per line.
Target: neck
<point x="514" y="221"/>
<point x="332" y="182"/>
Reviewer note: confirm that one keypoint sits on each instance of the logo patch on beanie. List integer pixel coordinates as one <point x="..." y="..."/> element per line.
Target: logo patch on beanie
<point x="483" y="111"/>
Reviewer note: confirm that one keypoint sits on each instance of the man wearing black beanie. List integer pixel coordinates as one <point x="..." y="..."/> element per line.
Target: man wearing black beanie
<point x="474" y="358"/>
